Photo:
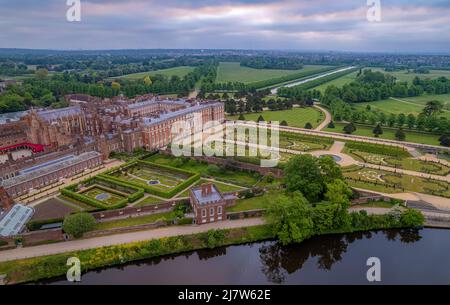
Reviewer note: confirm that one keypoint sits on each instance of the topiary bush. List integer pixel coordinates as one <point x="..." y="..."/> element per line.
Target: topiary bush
<point x="78" y="224"/>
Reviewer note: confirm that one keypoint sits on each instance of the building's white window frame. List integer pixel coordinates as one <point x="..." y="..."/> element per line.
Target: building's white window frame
<point x="211" y="211"/>
<point x="204" y="213"/>
<point x="219" y="210"/>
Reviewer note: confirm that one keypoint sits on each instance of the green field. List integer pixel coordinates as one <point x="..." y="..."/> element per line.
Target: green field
<point x="339" y="82"/>
<point x="405" y="76"/>
<point x="108" y="197"/>
<point x="389" y="134"/>
<point x="233" y="72"/>
<point x="413" y="105"/>
<point x="296" y="117"/>
<point x="178" y="71"/>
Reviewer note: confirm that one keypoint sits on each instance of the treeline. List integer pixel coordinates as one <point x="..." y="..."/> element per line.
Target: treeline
<point x="374" y="86"/>
<point x="13" y="69"/>
<point x="430" y="122"/>
<point x="282" y="63"/>
<point x="237" y="86"/>
<point x="49" y="91"/>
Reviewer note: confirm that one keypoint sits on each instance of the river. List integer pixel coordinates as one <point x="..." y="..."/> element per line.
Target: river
<point x="407" y="257"/>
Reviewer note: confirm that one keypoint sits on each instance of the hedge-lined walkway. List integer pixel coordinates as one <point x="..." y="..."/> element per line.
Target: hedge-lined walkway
<point x="83" y="244"/>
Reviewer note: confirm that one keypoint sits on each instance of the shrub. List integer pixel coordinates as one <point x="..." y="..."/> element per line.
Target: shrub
<point x="185" y="221"/>
<point x="214" y="238"/>
<point x="35" y="225"/>
<point x="331" y="125"/>
<point x="78" y="224"/>
<point x="308" y="125"/>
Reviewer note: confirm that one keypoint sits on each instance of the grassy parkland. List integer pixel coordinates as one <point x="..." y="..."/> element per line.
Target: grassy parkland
<point x="388" y="134"/>
<point x="295" y="117"/>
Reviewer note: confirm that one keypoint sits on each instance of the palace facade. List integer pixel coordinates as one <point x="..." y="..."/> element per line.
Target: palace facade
<point x="92" y="124"/>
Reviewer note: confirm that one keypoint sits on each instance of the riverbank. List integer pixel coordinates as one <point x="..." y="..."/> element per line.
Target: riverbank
<point x="45" y="267"/>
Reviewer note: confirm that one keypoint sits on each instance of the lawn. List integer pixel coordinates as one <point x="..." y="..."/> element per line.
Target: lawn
<point x="403" y="163"/>
<point x="135" y="221"/>
<point x="339" y="82"/>
<point x="240" y="178"/>
<point x="156" y="177"/>
<point x="410" y="105"/>
<point x="233" y="72"/>
<point x="389" y="134"/>
<point x="148" y="201"/>
<point x="295" y="117"/>
<point x="255" y="203"/>
<point x="102" y="194"/>
<point x="388" y="182"/>
<point x="177" y="71"/>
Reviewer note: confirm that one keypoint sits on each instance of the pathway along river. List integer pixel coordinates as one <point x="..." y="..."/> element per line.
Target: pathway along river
<point x="407" y="257"/>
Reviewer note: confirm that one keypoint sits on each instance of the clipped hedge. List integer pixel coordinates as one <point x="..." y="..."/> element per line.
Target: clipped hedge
<point x="138" y="191"/>
<point x="35" y="225"/>
<point x="71" y="192"/>
<point x="94" y="202"/>
<point x="154" y="191"/>
<point x="378" y="149"/>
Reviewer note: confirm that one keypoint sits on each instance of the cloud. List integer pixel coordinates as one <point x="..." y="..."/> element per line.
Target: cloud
<point x="267" y="24"/>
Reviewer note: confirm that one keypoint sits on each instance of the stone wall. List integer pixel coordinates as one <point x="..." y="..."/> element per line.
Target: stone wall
<point x="137" y="211"/>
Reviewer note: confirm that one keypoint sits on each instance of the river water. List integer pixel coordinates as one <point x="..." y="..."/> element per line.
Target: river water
<point x="407" y="257"/>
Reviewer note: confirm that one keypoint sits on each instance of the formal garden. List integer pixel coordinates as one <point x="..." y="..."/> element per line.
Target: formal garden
<point x="389" y="182"/>
<point x="160" y="180"/>
<point x="393" y="156"/>
<point x="301" y="142"/>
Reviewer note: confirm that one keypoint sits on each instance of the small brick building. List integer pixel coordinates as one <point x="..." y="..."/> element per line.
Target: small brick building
<point x="208" y="203"/>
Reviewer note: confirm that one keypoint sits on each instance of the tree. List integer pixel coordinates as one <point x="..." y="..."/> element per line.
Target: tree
<point x="42" y="74"/>
<point x="290" y="218"/>
<point x="303" y="174"/>
<point x="241" y="117"/>
<point x="78" y="224"/>
<point x="284" y="123"/>
<point x="308" y="125"/>
<point x="412" y="218"/>
<point x="338" y="192"/>
<point x="147" y="81"/>
<point x="433" y="108"/>
<point x="411" y="120"/>
<point x="329" y="168"/>
<point x="445" y="140"/>
<point x="331" y="125"/>
<point x="261" y="119"/>
<point x="377" y="131"/>
<point x="349" y="128"/>
<point x="115" y="86"/>
<point x="400" y="135"/>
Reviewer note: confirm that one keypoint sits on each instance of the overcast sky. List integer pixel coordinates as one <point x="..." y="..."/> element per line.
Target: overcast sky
<point x="406" y="25"/>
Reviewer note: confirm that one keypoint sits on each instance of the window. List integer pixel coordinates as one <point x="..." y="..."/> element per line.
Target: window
<point x="211" y="212"/>
<point x="219" y="210"/>
<point x="203" y="213"/>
